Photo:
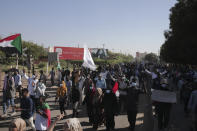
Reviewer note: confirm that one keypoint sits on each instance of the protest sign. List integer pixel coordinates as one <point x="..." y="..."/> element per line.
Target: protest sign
<point x="164" y="96"/>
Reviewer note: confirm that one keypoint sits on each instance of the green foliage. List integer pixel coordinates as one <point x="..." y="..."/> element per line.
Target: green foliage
<point x="151" y="57"/>
<point x="34" y="50"/>
<point x="181" y="40"/>
<point x="41" y="65"/>
<point x="99" y="61"/>
<point x="2" y="54"/>
<point x="115" y="58"/>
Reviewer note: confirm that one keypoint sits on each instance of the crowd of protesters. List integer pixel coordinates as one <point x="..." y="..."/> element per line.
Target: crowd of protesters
<point x="109" y="91"/>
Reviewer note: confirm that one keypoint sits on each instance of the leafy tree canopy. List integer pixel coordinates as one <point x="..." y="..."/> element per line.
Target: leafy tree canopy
<point x="34" y="50"/>
<point x="181" y="39"/>
<point x="151" y="57"/>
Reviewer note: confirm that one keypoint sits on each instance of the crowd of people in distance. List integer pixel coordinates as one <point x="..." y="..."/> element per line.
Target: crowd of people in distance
<point x="109" y="91"/>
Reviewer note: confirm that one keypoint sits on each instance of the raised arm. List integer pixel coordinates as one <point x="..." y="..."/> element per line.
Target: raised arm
<point x="147" y="71"/>
<point x="52" y="126"/>
<point x="26" y="77"/>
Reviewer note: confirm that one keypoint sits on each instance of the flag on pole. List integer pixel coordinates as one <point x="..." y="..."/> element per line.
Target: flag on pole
<point x="87" y="59"/>
<point x="115" y="88"/>
<point x="12" y="43"/>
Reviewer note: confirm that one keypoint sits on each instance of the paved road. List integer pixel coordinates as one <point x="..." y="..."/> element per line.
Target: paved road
<point x="177" y="118"/>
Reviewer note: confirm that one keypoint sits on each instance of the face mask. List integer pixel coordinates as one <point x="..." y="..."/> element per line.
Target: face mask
<point x="108" y="91"/>
<point x="163" y="85"/>
<point x="133" y="84"/>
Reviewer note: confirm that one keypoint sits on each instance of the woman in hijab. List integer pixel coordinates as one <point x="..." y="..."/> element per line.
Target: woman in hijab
<point x="62" y="96"/>
<point x="71" y="124"/>
<point x="89" y="93"/>
<point x="98" y="110"/>
<point x="18" y="125"/>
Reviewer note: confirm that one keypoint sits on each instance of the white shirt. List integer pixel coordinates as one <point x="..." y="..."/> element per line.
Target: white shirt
<point x="41" y="123"/>
<point x="31" y="88"/>
<point x="40" y="90"/>
<point x="154" y="76"/>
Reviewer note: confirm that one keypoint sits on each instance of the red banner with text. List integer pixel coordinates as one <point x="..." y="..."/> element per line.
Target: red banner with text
<point x="69" y="53"/>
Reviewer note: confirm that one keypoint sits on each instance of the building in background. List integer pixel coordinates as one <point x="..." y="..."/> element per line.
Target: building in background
<point x="99" y="53"/>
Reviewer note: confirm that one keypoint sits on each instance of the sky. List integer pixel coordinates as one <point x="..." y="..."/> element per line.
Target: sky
<point x="125" y="26"/>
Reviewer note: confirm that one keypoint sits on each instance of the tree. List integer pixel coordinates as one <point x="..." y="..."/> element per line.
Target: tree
<point x="2" y="54"/>
<point x="151" y="57"/>
<point x="181" y="39"/>
<point x="34" y="50"/>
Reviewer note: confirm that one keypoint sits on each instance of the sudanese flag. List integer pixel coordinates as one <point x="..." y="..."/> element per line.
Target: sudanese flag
<point x="115" y="88"/>
<point x="12" y="44"/>
<point x="46" y="109"/>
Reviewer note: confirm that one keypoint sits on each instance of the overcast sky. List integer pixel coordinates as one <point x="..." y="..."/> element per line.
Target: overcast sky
<point x="122" y="25"/>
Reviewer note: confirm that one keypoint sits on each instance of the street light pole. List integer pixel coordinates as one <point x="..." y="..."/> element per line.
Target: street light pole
<point x="103" y="46"/>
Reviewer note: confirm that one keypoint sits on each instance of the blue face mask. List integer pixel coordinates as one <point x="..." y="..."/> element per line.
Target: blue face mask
<point x="108" y="91"/>
<point x="133" y="84"/>
<point x="164" y="85"/>
<point x="91" y="87"/>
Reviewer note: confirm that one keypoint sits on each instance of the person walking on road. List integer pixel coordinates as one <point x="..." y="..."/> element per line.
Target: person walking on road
<point x="52" y="74"/>
<point x="100" y="83"/>
<point x="132" y="103"/>
<point x="9" y="92"/>
<point x="27" y="108"/>
<point x="75" y="101"/>
<point x="43" y="115"/>
<point x="18" y="83"/>
<point x="110" y="109"/>
<point x="89" y="93"/>
<point x="40" y="91"/>
<point x="163" y="108"/>
<point x="62" y="96"/>
<point x="32" y="82"/>
<point x="192" y="107"/>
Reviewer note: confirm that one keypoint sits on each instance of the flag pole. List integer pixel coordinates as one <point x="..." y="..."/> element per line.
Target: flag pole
<point x="0" y="76"/>
<point x="22" y="54"/>
<point x="47" y="68"/>
<point x="16" y="60"/>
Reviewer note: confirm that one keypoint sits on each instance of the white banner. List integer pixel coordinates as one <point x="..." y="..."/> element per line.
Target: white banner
<point x="164" y="96"/>
<point x="87" y="59"/>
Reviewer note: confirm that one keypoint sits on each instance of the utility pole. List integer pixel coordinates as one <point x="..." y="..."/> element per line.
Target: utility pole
<point x="103" y="46"/>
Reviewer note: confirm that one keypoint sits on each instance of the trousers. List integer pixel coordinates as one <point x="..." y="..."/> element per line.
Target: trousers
<point x="132" y="118"/>
<point x="110" y="122"/>
<point x="6" y="103"/>
<point x="30" y="122"/>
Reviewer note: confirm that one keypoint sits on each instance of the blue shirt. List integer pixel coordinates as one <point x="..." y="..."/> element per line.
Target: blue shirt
<point x="101" y="84"/>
